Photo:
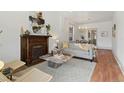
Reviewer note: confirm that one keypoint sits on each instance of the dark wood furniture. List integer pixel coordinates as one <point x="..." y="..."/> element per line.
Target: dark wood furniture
<point x="32" y="47"/>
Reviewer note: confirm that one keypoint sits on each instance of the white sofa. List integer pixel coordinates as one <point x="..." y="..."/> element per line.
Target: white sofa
<point x="85" y="52"/>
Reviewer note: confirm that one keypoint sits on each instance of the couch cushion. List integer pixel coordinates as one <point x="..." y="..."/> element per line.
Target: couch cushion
<point x="85" y="47"/>
<point x="74" y="46"/>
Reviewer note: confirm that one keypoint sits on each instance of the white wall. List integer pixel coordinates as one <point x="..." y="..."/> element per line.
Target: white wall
<point x="10" y="23"/>
<point x="102" y="42"/>
<point x="118" y="41"/>
<point x="54" y="19"/>
<point x="64" y="29"/>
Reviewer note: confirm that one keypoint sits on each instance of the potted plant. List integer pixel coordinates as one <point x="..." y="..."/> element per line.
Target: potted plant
<point x="48" y="27"/>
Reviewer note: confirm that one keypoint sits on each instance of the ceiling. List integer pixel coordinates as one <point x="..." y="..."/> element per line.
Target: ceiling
<point x="81" y="17"/>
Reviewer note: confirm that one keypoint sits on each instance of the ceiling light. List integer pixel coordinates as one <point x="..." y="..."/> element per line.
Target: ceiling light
<point x="85" y="27"/>
<point x="79" y="27"/>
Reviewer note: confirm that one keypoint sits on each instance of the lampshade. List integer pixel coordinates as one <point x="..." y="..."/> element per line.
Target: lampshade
<point x="57" y="41"/>
<point x="1" y="64"/>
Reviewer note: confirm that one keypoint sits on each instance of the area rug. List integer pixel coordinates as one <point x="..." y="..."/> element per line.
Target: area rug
<point x="75" y="70"/>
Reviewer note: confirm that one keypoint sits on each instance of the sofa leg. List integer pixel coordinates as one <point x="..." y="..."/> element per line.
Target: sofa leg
<point x="91" y="60"/>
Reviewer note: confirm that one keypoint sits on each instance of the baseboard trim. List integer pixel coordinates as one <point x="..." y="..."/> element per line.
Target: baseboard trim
<point x="91" y="60"/>
<point x="108" y="48"/>
<point x="119" y="63"/>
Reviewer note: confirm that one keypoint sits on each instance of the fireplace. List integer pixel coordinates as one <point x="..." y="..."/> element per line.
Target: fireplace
<point x="32" y="47"/>
<point x="37" y="51"/>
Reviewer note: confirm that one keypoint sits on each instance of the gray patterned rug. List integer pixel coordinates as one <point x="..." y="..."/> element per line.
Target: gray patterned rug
<point x="76" y="70"/>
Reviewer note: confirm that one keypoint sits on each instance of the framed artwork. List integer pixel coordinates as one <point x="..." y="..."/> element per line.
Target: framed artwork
<point x="104" y="34"/>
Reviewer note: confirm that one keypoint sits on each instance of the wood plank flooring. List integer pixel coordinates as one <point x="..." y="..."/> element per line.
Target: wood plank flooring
<point x="107" y="69"/>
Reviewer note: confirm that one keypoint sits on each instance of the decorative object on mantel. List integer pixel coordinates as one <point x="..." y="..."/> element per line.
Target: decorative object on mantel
<point x="37" y="22"/>
<point x="48" y="27"/>
<point x="27" y="32"/>
<point x="24" y="31"/>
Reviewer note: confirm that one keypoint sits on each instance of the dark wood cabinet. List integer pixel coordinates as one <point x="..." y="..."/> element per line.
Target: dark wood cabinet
<point x="32" y="47"/>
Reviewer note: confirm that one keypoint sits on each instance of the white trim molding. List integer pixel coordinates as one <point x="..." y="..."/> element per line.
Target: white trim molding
<point x="119" y="63"/>
<point x="109" y="48"/>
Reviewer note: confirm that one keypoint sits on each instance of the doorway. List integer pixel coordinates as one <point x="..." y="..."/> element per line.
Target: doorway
<point x="92" y="36"/>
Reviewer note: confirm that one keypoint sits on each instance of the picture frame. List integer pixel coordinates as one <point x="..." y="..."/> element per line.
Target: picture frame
<point x="104" y="34"/>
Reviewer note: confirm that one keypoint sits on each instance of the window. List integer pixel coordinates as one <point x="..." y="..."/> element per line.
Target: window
<point x="71" y="33"/>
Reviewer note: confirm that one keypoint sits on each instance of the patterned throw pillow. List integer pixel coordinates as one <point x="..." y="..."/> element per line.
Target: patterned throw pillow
<point x="65" y="44"/>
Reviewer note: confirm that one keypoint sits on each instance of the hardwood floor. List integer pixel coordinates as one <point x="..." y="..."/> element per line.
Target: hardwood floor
<point x="107" y="69"/>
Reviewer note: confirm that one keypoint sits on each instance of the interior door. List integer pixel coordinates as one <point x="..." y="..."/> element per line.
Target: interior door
<point x="92" y="35"/>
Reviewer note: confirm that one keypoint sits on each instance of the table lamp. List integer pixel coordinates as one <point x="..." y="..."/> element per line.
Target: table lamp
<point x="57" y="41"/>
<point x="1" y="65"/>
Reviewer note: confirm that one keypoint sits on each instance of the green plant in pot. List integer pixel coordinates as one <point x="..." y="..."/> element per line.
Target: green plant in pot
<point x="48" y="28"/>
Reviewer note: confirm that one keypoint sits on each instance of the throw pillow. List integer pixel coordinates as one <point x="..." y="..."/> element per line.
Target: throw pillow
<point x="65" y="44"/>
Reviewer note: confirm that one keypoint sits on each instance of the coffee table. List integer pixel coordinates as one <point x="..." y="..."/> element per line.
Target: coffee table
<point x="56" y="60"/>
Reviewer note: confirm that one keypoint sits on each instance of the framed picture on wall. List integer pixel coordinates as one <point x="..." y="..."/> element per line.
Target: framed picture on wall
<point x="104" y="34"/>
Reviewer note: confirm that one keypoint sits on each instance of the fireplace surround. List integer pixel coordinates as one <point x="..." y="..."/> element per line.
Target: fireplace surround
<point x="32" y="47"/>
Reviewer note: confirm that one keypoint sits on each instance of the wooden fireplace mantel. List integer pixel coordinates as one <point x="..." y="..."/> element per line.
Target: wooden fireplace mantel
<point x="33" y="46"/>
<point x="36" y="36"/>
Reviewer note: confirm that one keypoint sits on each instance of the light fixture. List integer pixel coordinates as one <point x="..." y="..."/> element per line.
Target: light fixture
<point x="79" y="27"/>
<point x="1" y="64"/>
<point x="57" y="41"/>
<point x="83" y="27"/>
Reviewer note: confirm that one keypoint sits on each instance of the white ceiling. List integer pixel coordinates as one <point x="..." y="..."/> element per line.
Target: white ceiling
<point x="81" y="17"/>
